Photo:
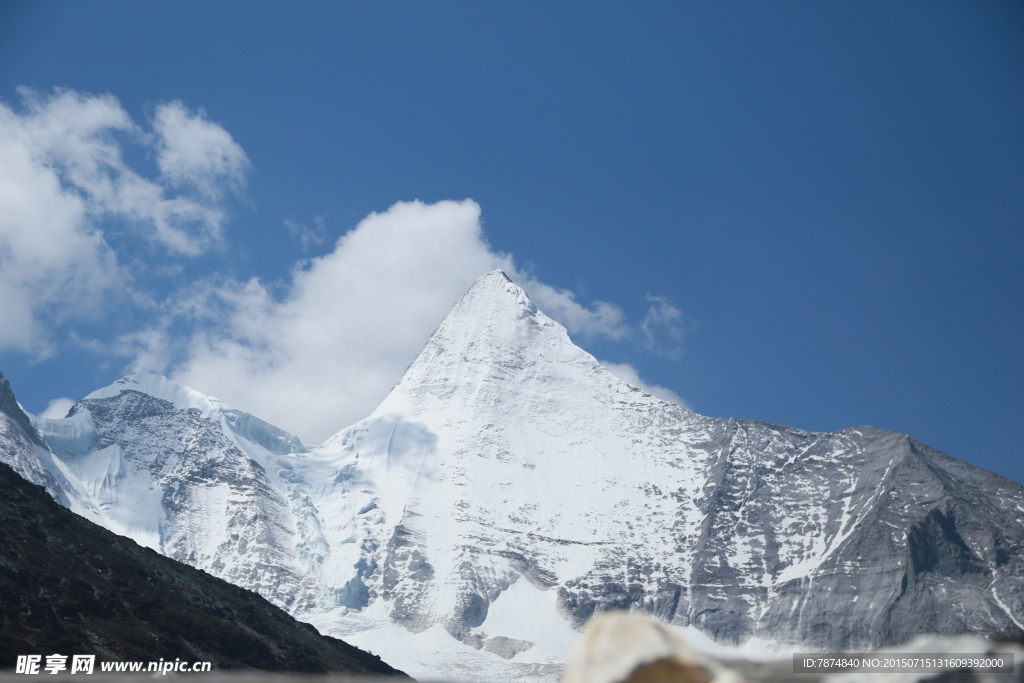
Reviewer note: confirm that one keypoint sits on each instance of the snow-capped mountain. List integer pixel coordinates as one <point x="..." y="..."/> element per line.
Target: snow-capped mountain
<point x="183" y="474"/>
<point x="509" y="486"/>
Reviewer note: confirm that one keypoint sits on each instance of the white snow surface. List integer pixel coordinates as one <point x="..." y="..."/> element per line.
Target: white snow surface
<point x="505" y="468"/>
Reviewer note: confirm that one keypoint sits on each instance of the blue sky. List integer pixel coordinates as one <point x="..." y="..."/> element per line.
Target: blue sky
<point x="804" y="213"/>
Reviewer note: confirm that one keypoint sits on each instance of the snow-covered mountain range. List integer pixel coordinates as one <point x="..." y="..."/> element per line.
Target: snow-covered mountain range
<point x="509" y="486"/>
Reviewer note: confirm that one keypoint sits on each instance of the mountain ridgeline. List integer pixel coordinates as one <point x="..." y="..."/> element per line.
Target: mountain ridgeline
<point x="509" y="487"/>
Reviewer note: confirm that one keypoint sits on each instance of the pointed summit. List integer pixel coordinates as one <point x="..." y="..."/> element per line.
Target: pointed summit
<point x="495" y="323"/>
<point x="493" y="296"/>
<point x="22" y="447"/>
<point x="10" y="407"/>
<point x="496" y="277"/>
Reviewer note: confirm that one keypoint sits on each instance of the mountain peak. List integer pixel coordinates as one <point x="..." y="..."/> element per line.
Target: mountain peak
<point x="184" y="397"/>
<point x="495" y="322"/>
<point x="158" y="386"/>
<point x="494" y="291"/>
<point x="496" y="277"/>
<point x="10" y="407"/>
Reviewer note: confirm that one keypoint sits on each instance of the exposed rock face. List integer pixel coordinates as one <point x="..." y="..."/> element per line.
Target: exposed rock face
<point x="508" y="473"/>
<point x="208" y="503"/>
<point x="22" y="448"/>
<point x="9" y="407"/>
<point x="72" y="587"/>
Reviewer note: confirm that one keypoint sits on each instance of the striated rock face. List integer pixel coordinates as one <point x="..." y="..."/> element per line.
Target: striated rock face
<point x="15" y="416"/>
<point x="178" y="472"/>
<point x="207" y="501"/>
<point x="72" y="587"/>
<point x="509" y="487"/>
<point x="22" y="448"/>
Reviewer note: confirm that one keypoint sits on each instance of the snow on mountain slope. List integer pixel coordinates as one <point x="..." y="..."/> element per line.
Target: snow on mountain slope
<point x="507" y="456"/>
<point x="180" y="472"/>
<point x="24" y="450"/>
<point x="509" y="486"/>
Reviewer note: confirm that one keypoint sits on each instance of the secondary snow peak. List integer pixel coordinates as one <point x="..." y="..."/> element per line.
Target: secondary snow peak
<point x="186" y="398"/>
<point x="183" y="396"/>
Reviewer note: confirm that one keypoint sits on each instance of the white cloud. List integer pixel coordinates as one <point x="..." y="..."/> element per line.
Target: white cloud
<point x="57" y="408"/>
<point x="327" y="353"/>
<point x="663" y="327"/>
<point x="193" y="151"/>
<point x="63" y="179"/>
<point x="602" y="319"/>
<point x="628" y="374"/>
<point x="313" y="359"/>
<point x="307" y="235"/>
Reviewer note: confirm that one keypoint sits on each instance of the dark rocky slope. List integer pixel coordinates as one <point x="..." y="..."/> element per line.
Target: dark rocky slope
<point x="68" y="586"/>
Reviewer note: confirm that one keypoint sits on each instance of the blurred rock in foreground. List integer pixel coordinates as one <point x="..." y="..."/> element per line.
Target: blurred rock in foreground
<point x="631" y="647"/>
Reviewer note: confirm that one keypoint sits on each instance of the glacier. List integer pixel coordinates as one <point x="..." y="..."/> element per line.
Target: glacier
<point x="509" y="487"/>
